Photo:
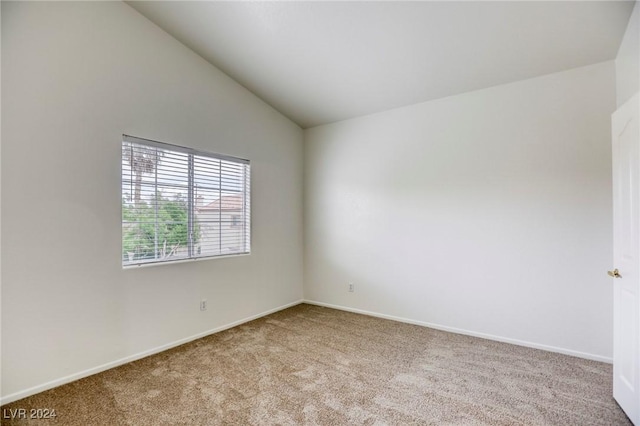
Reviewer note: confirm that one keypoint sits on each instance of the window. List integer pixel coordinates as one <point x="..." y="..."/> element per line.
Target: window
<point x="178" y="203"/>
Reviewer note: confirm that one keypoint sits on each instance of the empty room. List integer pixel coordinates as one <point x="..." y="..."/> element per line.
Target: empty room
<point x="329" y="213"/>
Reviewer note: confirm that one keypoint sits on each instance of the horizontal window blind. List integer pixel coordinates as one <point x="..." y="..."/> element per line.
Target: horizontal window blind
<point x="179" y="203"/>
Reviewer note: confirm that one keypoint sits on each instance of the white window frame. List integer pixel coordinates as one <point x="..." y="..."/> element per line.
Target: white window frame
<point x="192" y="155"/>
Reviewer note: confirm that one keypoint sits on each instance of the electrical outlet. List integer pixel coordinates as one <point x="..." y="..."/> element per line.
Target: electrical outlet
<point x="203" y="305"/>
<point x="351" y="288"/>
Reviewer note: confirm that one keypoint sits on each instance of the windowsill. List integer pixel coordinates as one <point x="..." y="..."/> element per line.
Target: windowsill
<point x="173" y="262"/>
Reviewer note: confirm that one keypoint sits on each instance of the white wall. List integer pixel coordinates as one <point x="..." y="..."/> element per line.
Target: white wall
<point x="75" y="77"/>
<point x="487" y="212"/>
<point x="628" y="59"/>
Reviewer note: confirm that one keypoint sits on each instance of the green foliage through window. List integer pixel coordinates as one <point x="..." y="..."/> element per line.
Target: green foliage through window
<point x="156" y="233"/>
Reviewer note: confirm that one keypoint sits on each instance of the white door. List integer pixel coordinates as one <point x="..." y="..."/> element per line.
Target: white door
<point x="626" y="256"/>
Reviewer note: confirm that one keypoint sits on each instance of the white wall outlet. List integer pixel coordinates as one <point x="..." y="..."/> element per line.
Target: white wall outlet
<point x="203" y="305"/>
<point x="351" y="288"/>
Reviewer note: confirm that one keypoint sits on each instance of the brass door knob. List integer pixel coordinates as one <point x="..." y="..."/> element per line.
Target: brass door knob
<point x="615" y="273"/>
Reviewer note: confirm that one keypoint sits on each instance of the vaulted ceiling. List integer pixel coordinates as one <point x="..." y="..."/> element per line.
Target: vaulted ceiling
<point x="320" y="62"/>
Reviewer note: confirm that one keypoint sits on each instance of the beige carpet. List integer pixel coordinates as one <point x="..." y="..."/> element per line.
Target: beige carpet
<point x="313" y="365"/>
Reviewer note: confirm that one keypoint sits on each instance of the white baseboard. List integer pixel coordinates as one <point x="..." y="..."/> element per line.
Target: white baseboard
<point x="91" y="371"/>
<point x="564" y="351"/>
